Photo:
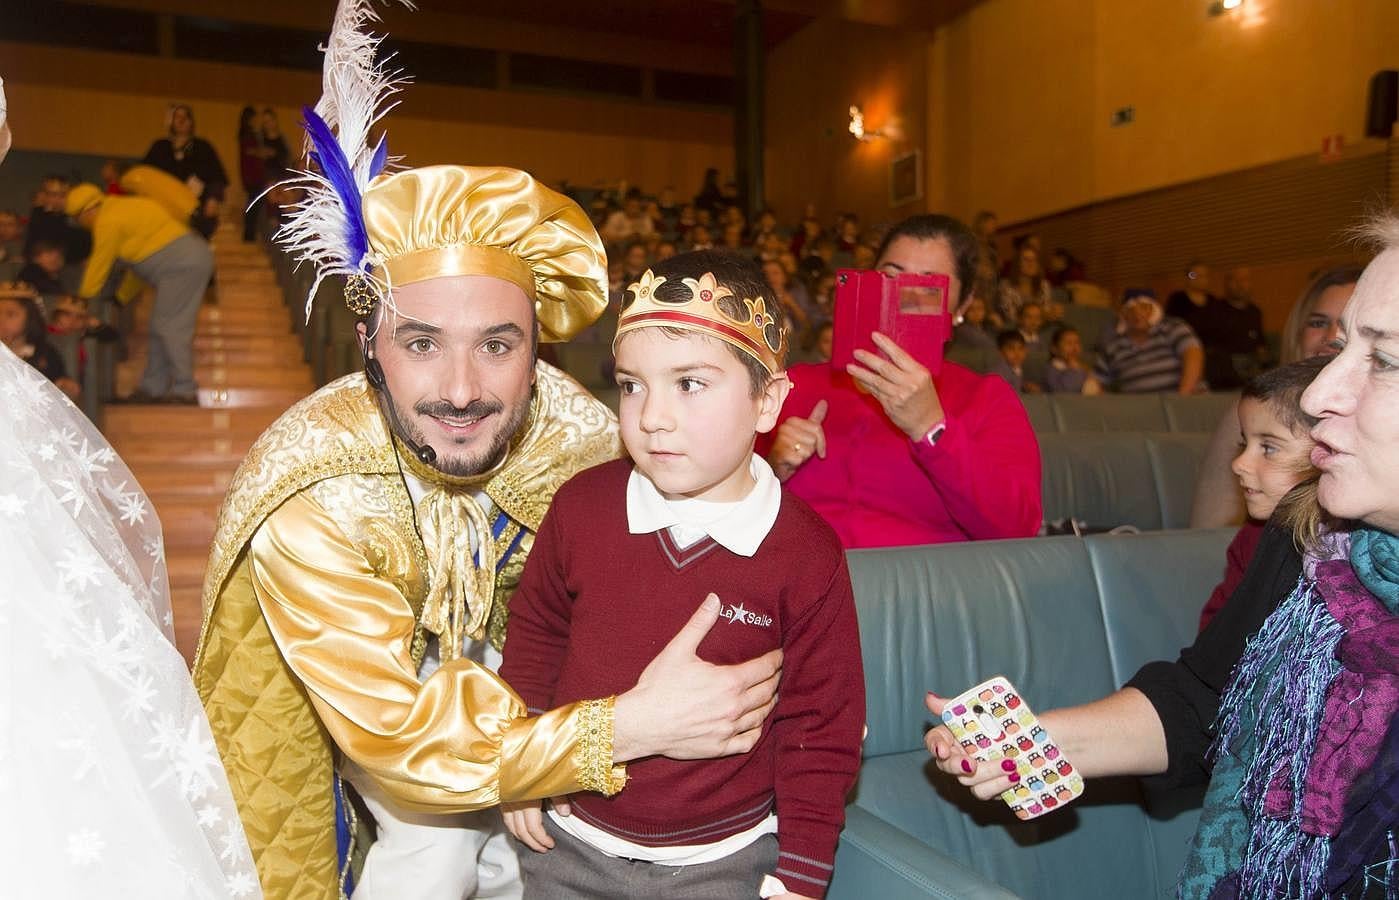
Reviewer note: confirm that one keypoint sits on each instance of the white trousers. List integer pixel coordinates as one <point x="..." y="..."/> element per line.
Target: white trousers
<point x="427" y="857"/>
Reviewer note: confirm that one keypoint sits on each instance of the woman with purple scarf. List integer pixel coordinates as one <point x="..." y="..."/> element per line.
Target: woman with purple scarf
<point x="1286" y="703"/>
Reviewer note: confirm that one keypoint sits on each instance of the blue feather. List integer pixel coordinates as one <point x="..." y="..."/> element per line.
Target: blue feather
<point x="381" y="156"/>
<point x="336" y="170"/>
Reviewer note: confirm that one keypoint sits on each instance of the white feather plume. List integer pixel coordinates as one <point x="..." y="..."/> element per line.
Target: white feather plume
<point x="355" y="95"/>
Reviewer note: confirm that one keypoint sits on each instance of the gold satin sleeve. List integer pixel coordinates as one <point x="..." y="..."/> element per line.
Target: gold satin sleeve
<point x="461" y="740"/>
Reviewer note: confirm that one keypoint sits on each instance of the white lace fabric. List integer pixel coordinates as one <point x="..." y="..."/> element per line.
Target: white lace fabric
<point x="110" y="783"/>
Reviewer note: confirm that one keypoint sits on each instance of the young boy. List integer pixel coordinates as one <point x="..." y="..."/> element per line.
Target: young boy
<point x="1067" y="373"/>
<point x="1274" y="457"/>
<point x="1011" y="366"/>
<point x="623" y="554"/>
<point x="45" y="269"/>
<point x="1031" y="323"/>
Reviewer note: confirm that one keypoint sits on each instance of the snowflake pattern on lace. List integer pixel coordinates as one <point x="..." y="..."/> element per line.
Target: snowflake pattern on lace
<point x="85" y="847"/>
<point x="79" y="569"/>
<point x="241" y="884"/>
<point x="132" y="508"/>
<point x="73" y="493"/>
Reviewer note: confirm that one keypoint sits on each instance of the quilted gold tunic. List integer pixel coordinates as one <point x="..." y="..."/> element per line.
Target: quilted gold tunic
<point x="312" y="633"/>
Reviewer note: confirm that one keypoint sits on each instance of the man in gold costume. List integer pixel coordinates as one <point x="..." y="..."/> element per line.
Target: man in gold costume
<point x="357" y="592"/>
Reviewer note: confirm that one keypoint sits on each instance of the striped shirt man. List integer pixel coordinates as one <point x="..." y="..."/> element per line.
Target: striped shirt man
<point x="1154" y="365"/>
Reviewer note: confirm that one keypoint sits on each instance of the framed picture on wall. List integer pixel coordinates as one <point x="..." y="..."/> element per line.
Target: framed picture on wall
<point x="906" y="178"/>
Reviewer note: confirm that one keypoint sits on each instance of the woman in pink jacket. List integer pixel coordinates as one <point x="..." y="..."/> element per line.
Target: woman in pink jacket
<point x="891" y="454"/>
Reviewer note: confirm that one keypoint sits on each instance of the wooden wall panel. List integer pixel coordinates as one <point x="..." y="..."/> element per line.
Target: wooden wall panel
<point x="1290" y="217"/>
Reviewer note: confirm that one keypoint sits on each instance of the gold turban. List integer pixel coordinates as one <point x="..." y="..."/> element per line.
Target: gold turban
<point x="439" y="221"/>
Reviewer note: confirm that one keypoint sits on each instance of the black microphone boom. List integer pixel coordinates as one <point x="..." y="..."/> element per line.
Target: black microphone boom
<point x="374" y="374"/>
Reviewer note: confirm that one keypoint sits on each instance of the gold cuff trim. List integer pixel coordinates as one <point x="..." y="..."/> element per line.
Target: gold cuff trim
<point x="592" y="756"/>
<point x="461" y="259"/>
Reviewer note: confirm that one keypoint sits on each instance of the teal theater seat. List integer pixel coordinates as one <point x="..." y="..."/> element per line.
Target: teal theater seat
<point x="1067" y="620"/>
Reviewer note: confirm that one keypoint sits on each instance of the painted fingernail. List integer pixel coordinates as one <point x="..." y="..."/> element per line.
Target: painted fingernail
<point x="966" y="767"/>
<point x="1014" y="778"/>
<point x="1007" y="765"/>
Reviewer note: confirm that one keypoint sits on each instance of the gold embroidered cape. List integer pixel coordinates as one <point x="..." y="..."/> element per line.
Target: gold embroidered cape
<point x="311" y="636"/>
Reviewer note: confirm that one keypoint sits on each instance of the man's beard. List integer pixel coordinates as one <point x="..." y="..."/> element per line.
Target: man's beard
<point x="457" y="465"/>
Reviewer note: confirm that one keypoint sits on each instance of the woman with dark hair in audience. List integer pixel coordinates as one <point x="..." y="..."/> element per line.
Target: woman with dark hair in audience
<point x="806" y="237"/>
<point x="971" y="333"/>
<point x="891" y="454"/>
<point x="1310" y="330"/>
<point x="23" y="330"/>
<point x="252" y="166"/>
<point x="262" y="153"/>
<point x="194" y="161"/>
<point x="795" y="300"/>
<point x="1025" y="283"/>
<point x="1285" y="704"/>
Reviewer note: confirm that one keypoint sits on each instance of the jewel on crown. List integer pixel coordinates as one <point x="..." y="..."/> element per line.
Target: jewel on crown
<point x="708" y="307"/>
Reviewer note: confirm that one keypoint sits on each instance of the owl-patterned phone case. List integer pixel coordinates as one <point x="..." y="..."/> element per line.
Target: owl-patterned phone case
<point x="994" y="724"/>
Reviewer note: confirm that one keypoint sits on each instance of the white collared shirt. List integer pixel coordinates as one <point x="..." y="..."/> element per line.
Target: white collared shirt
<point x="738" y="526"/>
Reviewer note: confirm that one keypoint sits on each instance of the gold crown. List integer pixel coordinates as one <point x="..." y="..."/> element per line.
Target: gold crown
<point x="703" y="305"/>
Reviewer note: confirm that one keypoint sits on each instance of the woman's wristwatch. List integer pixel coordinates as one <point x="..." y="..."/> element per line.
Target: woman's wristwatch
<point x="935" y="433"/>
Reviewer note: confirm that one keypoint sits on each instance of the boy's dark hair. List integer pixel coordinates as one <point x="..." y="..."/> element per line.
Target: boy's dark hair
<point x="930" y="227"/>
<point x="1281" y="389"/>
<point x="42" y="246"/>
<point x="1299" y="512"/>
<point x="741" y="275"/>
<point x="1009" y="337"/>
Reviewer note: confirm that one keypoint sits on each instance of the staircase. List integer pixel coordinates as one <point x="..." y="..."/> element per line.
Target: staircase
<point x="250" y="369"/>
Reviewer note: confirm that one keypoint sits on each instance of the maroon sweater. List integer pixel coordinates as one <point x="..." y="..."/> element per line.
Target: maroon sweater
<point x="597" y="603"/>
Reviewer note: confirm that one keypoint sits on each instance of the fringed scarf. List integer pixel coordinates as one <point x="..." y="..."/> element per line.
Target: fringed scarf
<point x="1304" y="740"/>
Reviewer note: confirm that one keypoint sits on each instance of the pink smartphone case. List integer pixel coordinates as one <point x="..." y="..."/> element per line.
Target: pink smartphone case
<point x="867" y="301"/>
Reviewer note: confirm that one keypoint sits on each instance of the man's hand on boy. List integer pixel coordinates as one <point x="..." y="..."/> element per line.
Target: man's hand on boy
<point x="901" y="384"/>
<point x="525" y="820"/>
<point x="685" y="708"/>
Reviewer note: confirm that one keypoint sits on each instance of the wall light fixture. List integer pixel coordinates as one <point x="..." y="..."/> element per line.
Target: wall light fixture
<point x="857" y="126"/>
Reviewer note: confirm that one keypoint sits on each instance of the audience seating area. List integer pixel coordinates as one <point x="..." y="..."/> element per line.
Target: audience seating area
<point x="947" y="617"/>
<point x="1117" y="460"/>
<point x="1142" y="479"/>
<point x="1127" y="412"/>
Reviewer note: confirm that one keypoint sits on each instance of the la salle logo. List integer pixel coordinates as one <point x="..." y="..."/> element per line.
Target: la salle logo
<point x="735" y="612"/>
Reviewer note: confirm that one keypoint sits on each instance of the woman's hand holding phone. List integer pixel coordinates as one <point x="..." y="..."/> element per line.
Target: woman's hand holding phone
<point x="984" y="780"/>
<point x="902" y="385"/>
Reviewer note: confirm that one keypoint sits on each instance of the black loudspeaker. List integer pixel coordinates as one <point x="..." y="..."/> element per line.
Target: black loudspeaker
<point x="1384" y="104"/>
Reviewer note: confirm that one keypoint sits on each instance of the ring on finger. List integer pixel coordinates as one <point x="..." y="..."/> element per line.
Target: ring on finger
<point x="797" y="447"/>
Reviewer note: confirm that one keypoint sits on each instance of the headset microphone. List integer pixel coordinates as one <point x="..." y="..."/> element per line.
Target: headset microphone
<point x="374" y="373"/>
